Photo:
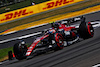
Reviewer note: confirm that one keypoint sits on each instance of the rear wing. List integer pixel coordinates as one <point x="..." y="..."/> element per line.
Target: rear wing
<point x="70" y="20"/>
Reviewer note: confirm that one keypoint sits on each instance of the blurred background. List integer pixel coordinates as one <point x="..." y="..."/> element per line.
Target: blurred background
<point x="9" y="5"/>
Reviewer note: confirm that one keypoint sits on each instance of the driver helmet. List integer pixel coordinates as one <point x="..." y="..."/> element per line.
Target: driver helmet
<point x="56" y="25"/>
<point x="51" y="31"/>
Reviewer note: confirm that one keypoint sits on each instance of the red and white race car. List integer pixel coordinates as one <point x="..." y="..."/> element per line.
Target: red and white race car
<point x="58" y="36"/>
<point x="72" y="33"/>
<point x="50" y="40"/>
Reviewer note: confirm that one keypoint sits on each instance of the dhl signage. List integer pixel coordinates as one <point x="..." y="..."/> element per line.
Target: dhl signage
<point x="16" y="14"/>
<point x="57" y="3"/>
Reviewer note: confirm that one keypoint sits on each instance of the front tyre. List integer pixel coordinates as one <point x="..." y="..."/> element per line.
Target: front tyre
<point x="20" y="51"/>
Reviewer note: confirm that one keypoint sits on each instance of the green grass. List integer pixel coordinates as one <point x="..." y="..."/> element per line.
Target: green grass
<point x="4" y="52"/>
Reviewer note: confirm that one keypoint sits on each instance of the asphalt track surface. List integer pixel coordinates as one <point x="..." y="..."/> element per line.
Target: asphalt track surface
<point x="85" y="53"/>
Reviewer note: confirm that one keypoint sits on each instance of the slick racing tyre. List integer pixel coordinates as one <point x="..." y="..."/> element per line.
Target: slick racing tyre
<point x="20" y="51"/>
<point x="59" y="41"/>
<point x="86" y="30"/>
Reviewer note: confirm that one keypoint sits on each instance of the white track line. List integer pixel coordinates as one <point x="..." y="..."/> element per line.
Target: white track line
<point x="37" y="26"/>
<point x="10" y="32"/>
<point x="26" y="36"/>
<point x="98" y="65"/>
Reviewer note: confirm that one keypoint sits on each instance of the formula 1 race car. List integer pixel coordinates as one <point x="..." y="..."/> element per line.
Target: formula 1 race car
<point x="71" y="33"/>
<point x="48" y="41"/>
<point x="58" y="36"/>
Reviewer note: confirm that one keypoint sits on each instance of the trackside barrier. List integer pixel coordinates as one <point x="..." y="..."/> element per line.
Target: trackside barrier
<point x="20" y="13"/>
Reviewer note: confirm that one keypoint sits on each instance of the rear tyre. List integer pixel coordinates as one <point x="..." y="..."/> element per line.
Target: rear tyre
<point x="86" y="30"/>
<point x="20" y="51"/>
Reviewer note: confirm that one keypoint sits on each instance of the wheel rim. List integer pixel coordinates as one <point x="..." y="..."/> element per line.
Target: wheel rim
<point x="59" y="40"/>
<point x="23" y="49"/>
<point x="90" y="29"/>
